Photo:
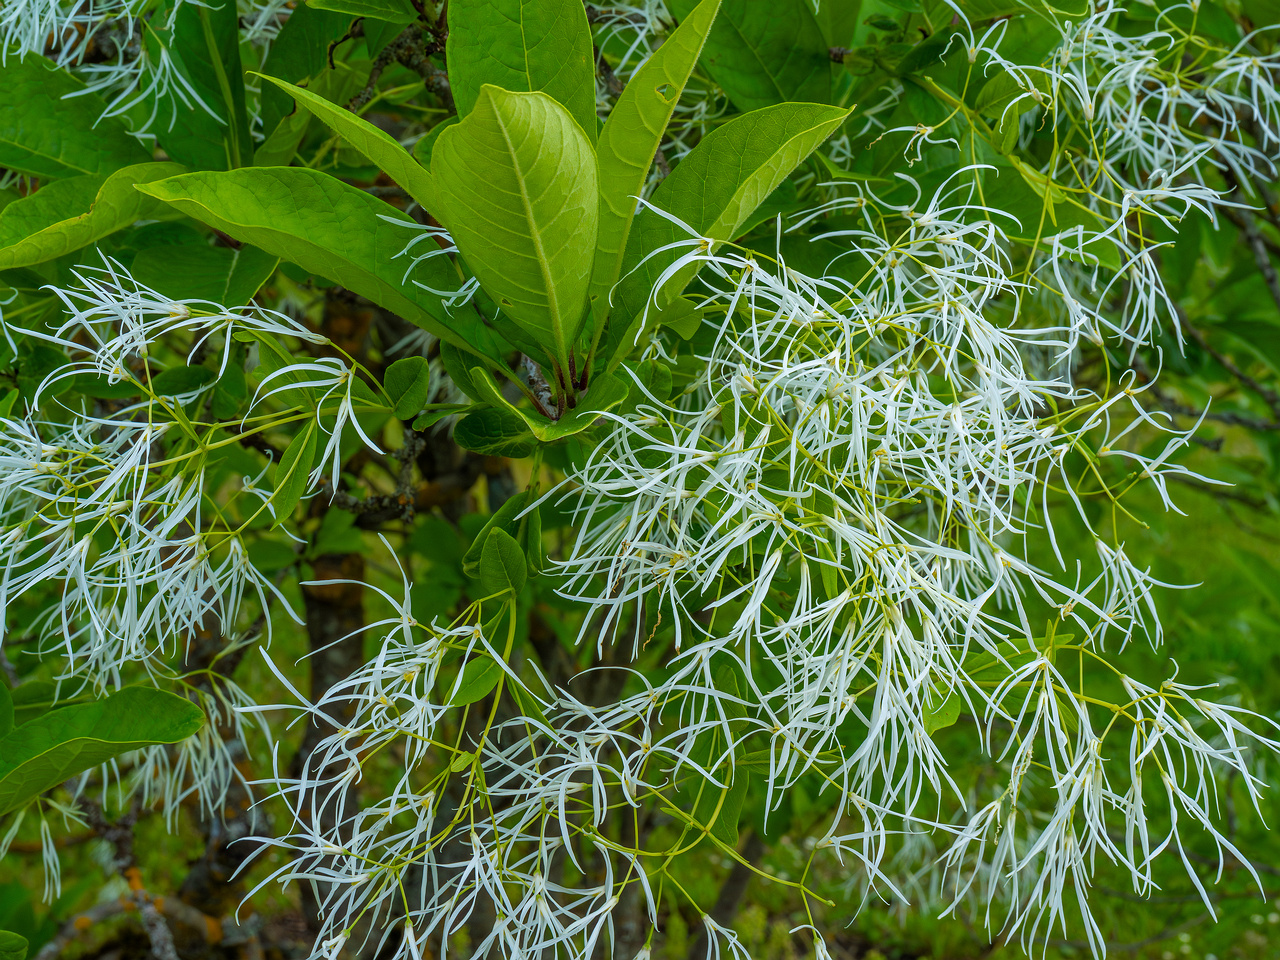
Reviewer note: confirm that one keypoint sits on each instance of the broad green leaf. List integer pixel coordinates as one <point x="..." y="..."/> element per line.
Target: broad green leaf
<point x="273" y="370"/>
<point x="528" y="703"/>
<point x="380" y="148"/>
<point x="838" y="21"/>
<point x="605" y="393"/>
<point x="654" y="380"/>
<point x="525" y="46"/>
<point x="182" y="379"/>
<point x="206" y="43"/>
<point x="393" y="11"/>
<point x="781" y="202"/>
<point x="50" y="127"/>
<point x="765" y="52"/>
<point x="378" y="34"/>
<point x="6" y="710"/>
<point x="717" y="807"/>
<point x="495" y="432"/>
<point x="12" y="946"/>
<point x="40" y="227"/>
<point x="461" y="761"/>
<point x="101" y="388"/>
<point x="725" y="828"/>
<point x="941" y="711"/>
<point x="736" y="167"/>
<point x="271" y="554"/>
<point x="427" y="142"/>
<point x="407" y="382"/>
<point x="32" y="699"/>
<point x="995" y="100"/>
<point x="338" y="534"/>
<point x="516" y="184"/>
<point x="438" y="412"/>
<point x="502" y="564"/>
<point x="44" y="752"/>
<point x="506" y="517"/>
<point x="458" y="366"/>
<point x="925" y="53"/>
<point x="479" y="676"/>
<point x="294" y="471"/>
<point x="680" y="314"/>
<point x="336" y="85"/>
<point x="333" y="230"/>
<point x="714" y="190"/>
<point x="281" y="145"/>
<point x="300" y="50"/>
<point x="201" y="272"/>
<point x="56" y="201"/>
<point x="631" y="138"/>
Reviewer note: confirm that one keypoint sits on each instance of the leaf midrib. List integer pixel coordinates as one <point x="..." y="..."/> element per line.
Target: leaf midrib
<point x="534" y="234"/>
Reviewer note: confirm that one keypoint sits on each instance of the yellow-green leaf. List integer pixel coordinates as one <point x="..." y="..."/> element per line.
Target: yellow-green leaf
<point x="516" y="188"/>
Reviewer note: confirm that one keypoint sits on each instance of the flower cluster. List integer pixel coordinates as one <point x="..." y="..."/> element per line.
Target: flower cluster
<point x="108" y="504"/>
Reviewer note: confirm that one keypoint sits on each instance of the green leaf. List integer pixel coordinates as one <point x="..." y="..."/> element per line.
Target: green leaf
<point x="407" y="382"/>
<point x="300" y="50"/>
<point x="438" y="413"/>
<point x="293" y="472"/>
<point x="201" y="272"/>
<point x="941" y="711"/>
<point x="496" y="432"/>
<point x="180" y="380"/>
<point x="654" y="377"/>
<point x="6" y="710"/>
<point x="461" y="761"/>
<point x="736" y="167"/>
<point x="378" y="34"/>
<point x="56" y="201"/>
<point x="270" y="554"/>
<point x="781" y="202"/>
<point x="49" y="127"/>
<point x="725" y="827"/>
<point x="506" y="517"/>
<point x="44" y="752"/>
<point x="393" y="11"/>
<point x="480" y="675"/>
<point x="12" y="946"/>
<point x="681" y="315"/>
<point x="838" y="21"/>
<point x="524" y="46"/>
<point x="206" y="43"/>
<point x="337" y="534"/>
<point x="765" y="53"/>
<point x="606" y="392"/>
<point x="378" y="147"/>
<point x="330" y="229"/>
<point x="502" y="564"/>
<point x="517" y="191"/>
<point x="422" y="150"/>
<point x="31" y="700"/>
<point x="54" y="221"/>
<point x="716" y="807"/>
<point x="715" y="189"/>
<point x="458" y="366"/>
<point x="336" y="85"/>
<point x="528" y="703"/>
<point x="632" y="135"/>
<point x="274" y="361"/>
